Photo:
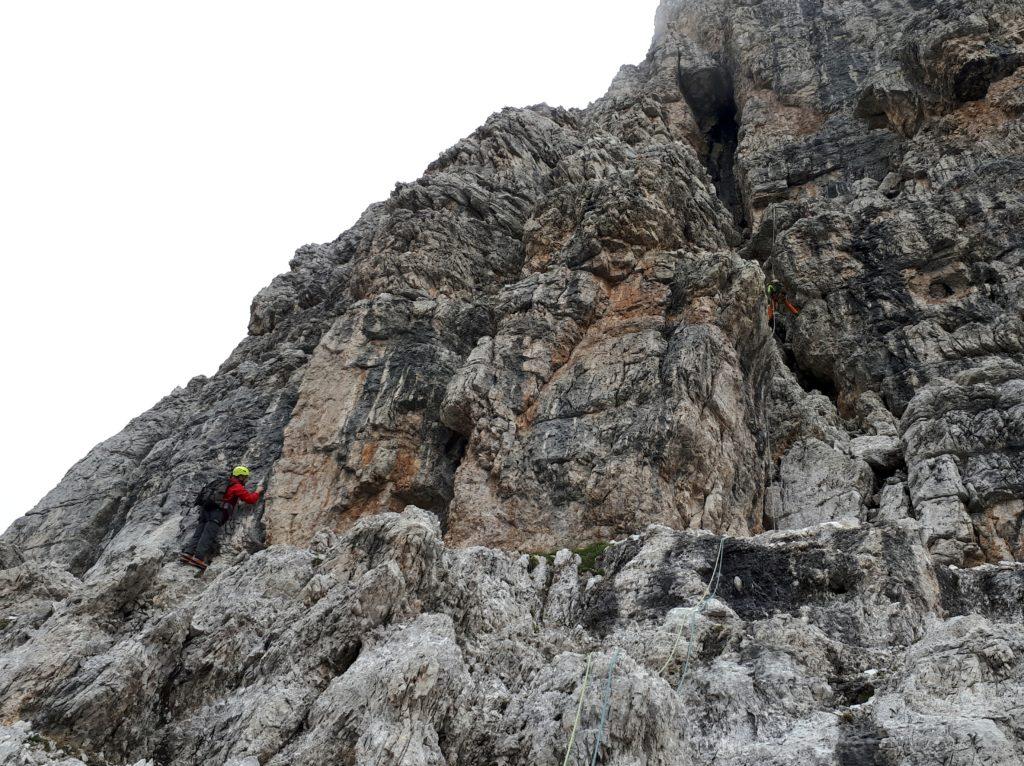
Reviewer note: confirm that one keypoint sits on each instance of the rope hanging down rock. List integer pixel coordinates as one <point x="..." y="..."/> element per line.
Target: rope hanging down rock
<point x="769" y="463"/>
<point x="709" y="592"/>
<point x="579" y="712"/>
<point x="605" y="704"/>
<point x="716" y="578"/>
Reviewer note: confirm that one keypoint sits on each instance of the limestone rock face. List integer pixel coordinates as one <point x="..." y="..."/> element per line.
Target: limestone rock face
<point x="562" y="336"/>
<point x="385" y="645"/>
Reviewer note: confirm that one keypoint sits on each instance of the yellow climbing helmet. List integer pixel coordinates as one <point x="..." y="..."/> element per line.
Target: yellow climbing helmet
<point x="240" y="471"/>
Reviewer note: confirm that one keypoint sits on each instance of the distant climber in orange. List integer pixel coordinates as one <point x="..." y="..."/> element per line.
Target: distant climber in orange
<point x="777" y="293"/>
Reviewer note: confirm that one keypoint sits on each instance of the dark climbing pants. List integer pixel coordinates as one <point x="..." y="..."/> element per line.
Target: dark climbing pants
<point x="206" y="533"/>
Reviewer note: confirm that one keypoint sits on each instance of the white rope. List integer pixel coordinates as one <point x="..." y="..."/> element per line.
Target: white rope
<point x="579" y="713"/>
<point x="710" y="592"/>
<point x="604" y="708"/>
<point x="699" y="606"/>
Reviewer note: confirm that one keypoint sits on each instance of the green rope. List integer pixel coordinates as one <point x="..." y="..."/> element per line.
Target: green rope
<point x="716" y="578"/>
<point x="699" y="606"/>
<point x="604" y="708"/>
<point x="579" y="713"/>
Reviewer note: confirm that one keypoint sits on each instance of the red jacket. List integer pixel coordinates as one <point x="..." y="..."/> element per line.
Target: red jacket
<point x="237" y="491"/>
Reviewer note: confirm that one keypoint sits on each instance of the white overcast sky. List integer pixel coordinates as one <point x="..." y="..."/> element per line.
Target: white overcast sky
<point x="160" y="163"/>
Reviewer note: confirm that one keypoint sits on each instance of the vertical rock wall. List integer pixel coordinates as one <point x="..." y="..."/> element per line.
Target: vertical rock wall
<point x="559" y="333"/>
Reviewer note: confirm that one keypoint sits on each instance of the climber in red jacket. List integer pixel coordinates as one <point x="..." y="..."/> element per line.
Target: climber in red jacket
<point x="237" y="491"/>
<point x="217" y="502"/>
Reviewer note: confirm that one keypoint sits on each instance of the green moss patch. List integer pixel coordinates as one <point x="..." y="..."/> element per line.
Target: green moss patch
<point x="588" y="557"/>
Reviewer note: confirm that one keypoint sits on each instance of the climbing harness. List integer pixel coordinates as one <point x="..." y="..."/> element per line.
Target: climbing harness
<point x="604" y="708"/>
<point x="579" y="713"/>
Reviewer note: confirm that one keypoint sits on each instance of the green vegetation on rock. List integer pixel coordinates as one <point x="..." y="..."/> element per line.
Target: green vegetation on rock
<point x="588" y="556"/>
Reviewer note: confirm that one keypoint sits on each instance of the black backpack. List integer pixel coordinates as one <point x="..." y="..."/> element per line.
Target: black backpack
<point x="211" y="495"/>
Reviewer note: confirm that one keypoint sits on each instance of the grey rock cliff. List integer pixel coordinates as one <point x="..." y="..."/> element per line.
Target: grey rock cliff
<point x="559" y="336"/>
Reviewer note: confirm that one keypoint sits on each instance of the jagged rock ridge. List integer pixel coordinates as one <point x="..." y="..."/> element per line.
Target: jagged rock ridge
<point x="559" y="336"/>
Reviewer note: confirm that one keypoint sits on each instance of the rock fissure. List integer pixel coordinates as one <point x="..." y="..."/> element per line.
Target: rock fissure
<point x="709" y="93"/>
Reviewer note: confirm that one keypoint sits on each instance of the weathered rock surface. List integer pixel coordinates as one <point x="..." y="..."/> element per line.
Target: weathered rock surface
<point x="385" y="645"/>
<point x="558" y="336"/>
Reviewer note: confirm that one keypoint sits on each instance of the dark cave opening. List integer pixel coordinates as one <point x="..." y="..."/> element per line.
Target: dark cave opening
<point x="709" y="93"/>
<point x="812" y="381"/>
<point x="722" y="138"/>
<point x="453" y="451"/>
<point x="809" y="379"/>
<point x="434" y="490"/>
<point x="883" y="473"/>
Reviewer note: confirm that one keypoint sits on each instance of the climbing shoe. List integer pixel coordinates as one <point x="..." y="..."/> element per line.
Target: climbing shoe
<point x="193" y="561"/>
